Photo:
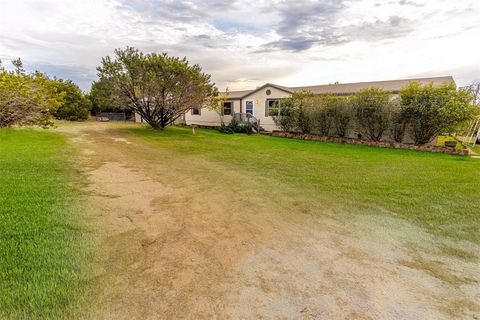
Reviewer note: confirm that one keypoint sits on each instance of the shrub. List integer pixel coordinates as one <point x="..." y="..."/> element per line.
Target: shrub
<point x="342" y="116"/>
<point x="286" y="116"/>
<point x="308" y="113"/>
<point x="27" y="99"/>
<point x="371" y="111"/>
<point x="322" y="114"/>
<point x="304" y="114"/>
<point x="230" y="128"/>
<point x="235" y="127"/>
<point x="398" y="121"/>
<point x="305" y="111"/>
<point x="432" y="110"/>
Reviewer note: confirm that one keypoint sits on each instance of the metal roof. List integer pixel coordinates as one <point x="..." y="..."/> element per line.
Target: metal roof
<point x="393" y="86"/>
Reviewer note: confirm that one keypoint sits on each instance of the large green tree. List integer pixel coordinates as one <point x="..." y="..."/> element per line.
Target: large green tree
<point x="76" y="106"/>
<point x="106" y="97"/>
<point x="159" y="88"/>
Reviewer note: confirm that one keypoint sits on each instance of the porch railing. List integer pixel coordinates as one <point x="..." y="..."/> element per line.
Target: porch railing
<point x="248" y="118"/>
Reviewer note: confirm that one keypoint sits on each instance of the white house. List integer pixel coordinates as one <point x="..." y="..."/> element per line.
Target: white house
<point x="257" y="101"/>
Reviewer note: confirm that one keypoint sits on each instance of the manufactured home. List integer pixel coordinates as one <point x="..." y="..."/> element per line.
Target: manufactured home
<point x="253" y="105"/>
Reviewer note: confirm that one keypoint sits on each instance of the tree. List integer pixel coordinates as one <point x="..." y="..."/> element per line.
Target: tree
<point x="432" y="110"/>
<point x="76" y="106"/>
<point x="474" y="89"/>
<point x="18" y="64"/>
<point x="106" y="97"/>
<point x="159" y="88"/>
<point x="371" y="112"/>
<point x="217" y="104"/>
<point x="27" y="99"/>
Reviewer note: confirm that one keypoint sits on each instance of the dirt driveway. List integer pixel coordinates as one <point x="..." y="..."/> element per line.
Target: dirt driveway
<point x="194" y="240"/>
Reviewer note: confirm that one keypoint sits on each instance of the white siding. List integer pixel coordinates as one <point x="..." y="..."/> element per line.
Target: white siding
<point x="209" y="117"/>
<point x="259" y="99"/>
<point x="138" y="118"/>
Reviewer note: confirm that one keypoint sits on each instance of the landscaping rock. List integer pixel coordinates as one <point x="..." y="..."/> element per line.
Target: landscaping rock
<point x="382" y="144"/>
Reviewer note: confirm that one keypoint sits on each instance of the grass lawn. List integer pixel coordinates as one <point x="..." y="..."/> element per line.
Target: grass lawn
<point x="439" y="192"/>
<point x="42" y="247"/>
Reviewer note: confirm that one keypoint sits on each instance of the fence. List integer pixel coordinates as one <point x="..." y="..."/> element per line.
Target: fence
<point x="113" y="116"/>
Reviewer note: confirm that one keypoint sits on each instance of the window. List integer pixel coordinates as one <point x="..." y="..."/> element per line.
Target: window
<point x="271" y="107"/>
<point x="196" y="111"/>
<point x="249" y="107"/>
<point x="227" y="108"/>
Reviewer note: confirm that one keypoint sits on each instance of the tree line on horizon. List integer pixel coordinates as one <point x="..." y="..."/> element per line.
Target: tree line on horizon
<point x="158" y="87"/>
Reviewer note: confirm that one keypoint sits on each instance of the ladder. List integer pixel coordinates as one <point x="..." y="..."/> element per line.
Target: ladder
<point x="473" y="133"/>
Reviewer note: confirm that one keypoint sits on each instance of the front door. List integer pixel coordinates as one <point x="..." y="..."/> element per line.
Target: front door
<point x="249" y="107"/>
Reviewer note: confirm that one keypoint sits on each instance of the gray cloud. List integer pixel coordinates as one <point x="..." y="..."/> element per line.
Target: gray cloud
<point x="401" y="2"/>
<point x="175" y="10"/>
<point x="393" y="27"/>
<point x="410" y="3"/>
<point x="304" y="24"/>
<point x="221" y="35"/>
<point x="307" y="24"/>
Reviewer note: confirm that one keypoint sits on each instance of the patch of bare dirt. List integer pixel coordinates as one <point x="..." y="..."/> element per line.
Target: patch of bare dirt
<point x="178" y="240"/>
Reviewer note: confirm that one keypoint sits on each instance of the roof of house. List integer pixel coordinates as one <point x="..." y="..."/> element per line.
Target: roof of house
<point x="393" y="86"/>
<point x="238" y="94"/>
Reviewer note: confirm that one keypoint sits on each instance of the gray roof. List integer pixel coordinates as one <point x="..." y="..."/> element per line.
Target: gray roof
<point x="393" y="86"/>
<point x="238" y="94"/>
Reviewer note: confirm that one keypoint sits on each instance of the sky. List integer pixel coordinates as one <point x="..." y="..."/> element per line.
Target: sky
<point x="244" y="44"/>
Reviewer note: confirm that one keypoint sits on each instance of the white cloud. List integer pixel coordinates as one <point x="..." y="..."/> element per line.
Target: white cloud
<point x="246" y="43"/>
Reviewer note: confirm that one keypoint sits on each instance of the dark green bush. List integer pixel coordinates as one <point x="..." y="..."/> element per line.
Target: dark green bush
<point x="371" y="112"/>
<point x="398" y="121"/>
<point x="235" y="127"/>
<point x="322" y="116"/>
<point x="342" y="116"/>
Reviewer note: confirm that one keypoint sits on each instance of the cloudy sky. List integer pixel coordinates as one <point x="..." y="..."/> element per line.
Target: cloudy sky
<point x="244" y="44"/>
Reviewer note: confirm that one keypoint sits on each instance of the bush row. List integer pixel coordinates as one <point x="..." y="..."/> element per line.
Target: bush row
<point x="422" y="111"/>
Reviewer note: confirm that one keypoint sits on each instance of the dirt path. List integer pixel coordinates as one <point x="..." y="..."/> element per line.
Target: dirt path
<point x="179" y="240"/>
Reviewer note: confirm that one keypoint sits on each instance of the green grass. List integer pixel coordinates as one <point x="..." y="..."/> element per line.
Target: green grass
<point x="437" y="191"/>
<point x="442" y="139"/>
<point x="42" y="246"/>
